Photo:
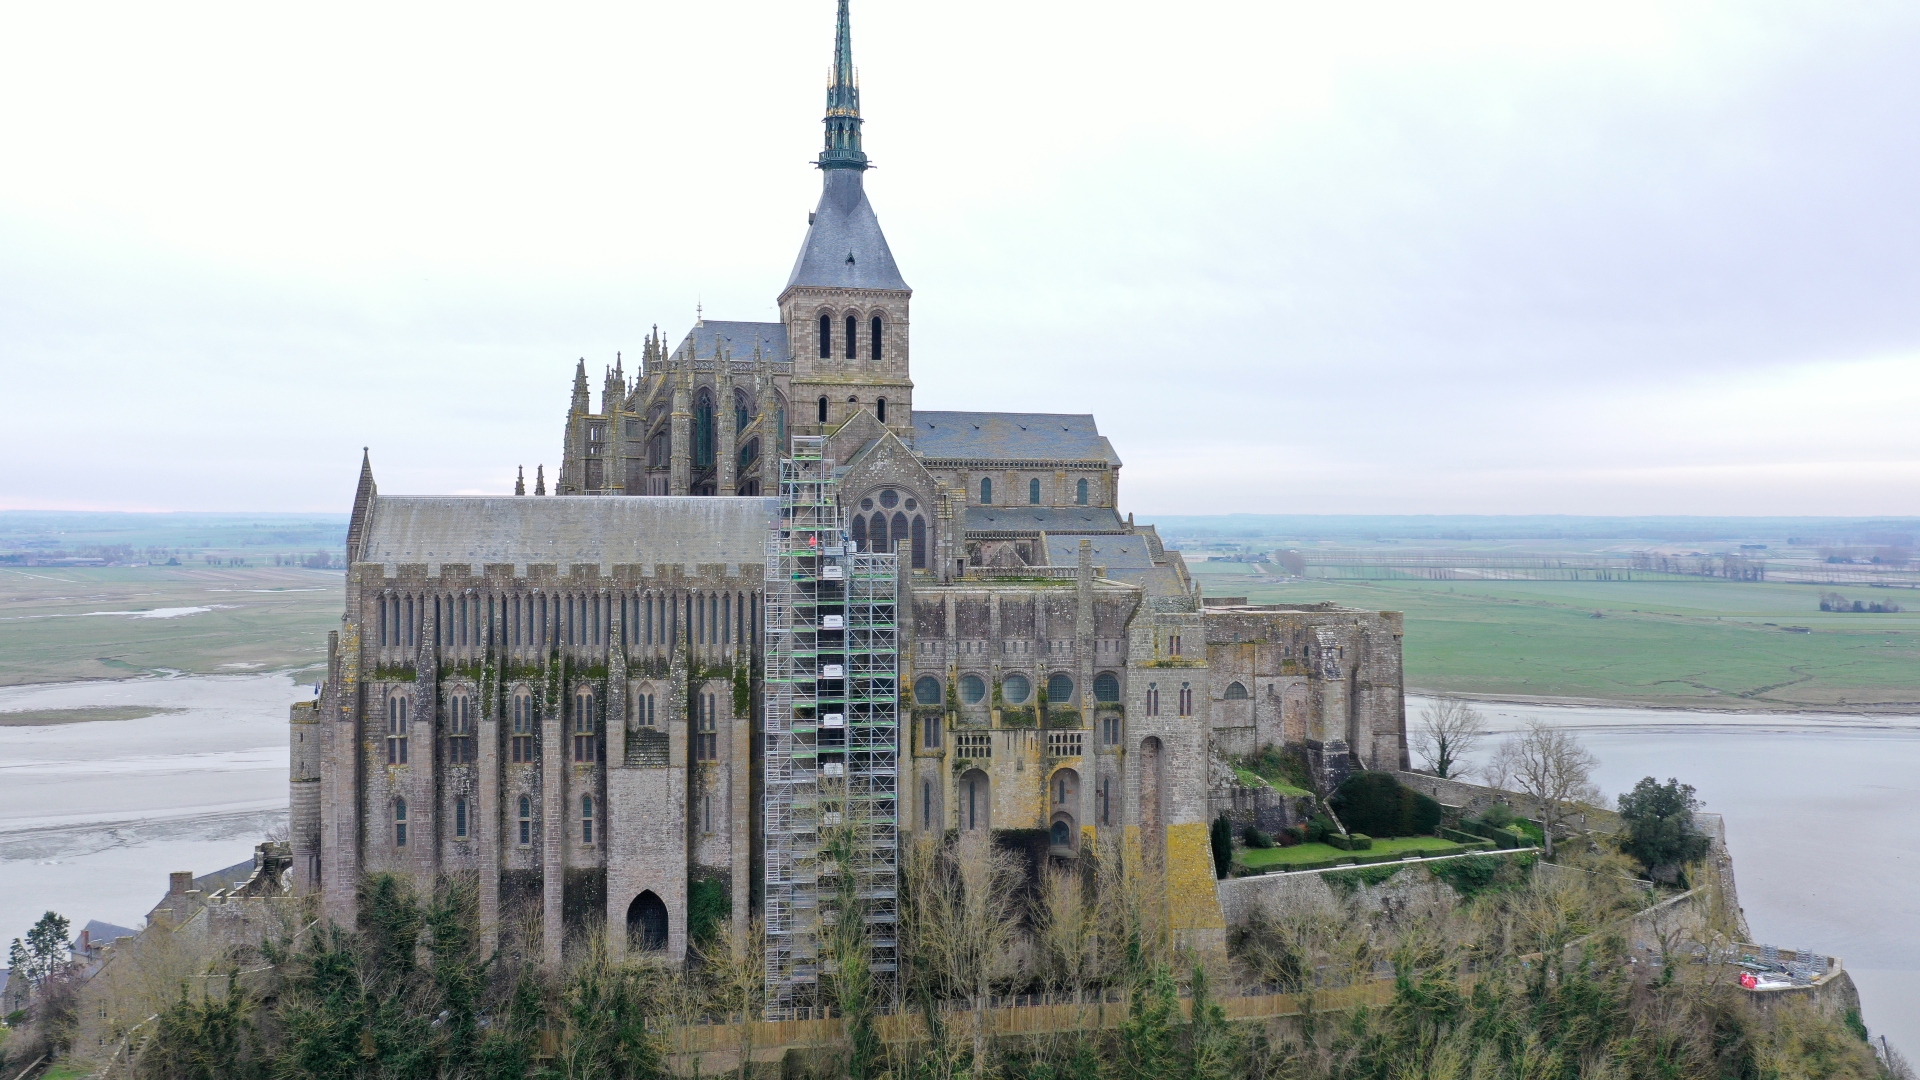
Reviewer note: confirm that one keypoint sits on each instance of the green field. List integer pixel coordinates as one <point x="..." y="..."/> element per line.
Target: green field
<point x="1298" y="854"/>
<point x="59" y="624"/>
<point x="1693" y="642"/>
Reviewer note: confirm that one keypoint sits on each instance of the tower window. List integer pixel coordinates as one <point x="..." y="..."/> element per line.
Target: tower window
<point x="823" y="405"/>
<point x="875" y="351"/>
<point x="585" y="742"/>
<point x="826" y="341"/>
<point x="919" y="542"/>
<point x="397" y="729"/>
<point x="521" y="741"/>
<point x="586" y="819"/>
<point x="399" y="823"/>
<point x="460" y="748"/>
<point x="1186" y="699"/>
<point x="1080" y="493"/>
<point x="880" y="409"/>
<point x="460" y="819"/>
<point x="1106" y="688"/>
<point x="1236" y="692"/>
<point x="1033" y="492"/>
<point x="1153" y="699"/>
<point x="853" y="335"/>
<point x="986" y="490"/>
<point x="706" y="741"/>
<point x="526" y="820"/>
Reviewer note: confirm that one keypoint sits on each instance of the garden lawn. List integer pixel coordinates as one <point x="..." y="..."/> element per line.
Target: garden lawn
<point x="1305" y="854"/>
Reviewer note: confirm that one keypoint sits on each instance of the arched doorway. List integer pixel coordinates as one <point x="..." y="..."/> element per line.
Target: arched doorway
<point x="647" y="923"/>
<point x="976" y="808"/>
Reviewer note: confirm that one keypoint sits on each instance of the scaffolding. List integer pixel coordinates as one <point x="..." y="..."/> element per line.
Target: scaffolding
<point x="832" y="741"/>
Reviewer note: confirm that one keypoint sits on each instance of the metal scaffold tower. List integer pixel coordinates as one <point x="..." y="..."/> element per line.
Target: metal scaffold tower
<point x="832" y="742"/>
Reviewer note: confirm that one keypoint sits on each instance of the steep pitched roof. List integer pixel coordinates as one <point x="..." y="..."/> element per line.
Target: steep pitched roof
<point x="1070" y="521"/>
<point x="1011" y="436"/>
<point x="1112" y="552"/>
<point x="739" y="339"/>
<point x="845" y="248"/>
<point x="567" y="529"/>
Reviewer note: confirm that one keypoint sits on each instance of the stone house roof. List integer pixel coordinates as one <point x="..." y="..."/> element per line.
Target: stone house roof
<point x="566" y="529"/>
<point x="844" y="248"/>
<point x="739" y="338"/>
<point x="1066" y="520"/>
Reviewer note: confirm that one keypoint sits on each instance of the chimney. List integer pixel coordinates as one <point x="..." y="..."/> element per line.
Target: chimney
<point x="179" y="882"/>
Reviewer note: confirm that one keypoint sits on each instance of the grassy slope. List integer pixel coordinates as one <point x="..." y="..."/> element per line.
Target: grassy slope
<point x="264" y="618"/>
<point x="1693" y="642"/>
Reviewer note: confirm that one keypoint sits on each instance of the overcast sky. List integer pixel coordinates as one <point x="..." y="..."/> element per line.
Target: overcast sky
<point x="1297" y="258"/>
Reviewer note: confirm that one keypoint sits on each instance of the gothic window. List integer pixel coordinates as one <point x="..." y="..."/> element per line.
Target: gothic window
<point x="880" y="409"/>
<point x="899" y="526"/>
<point x="823" y="404"/>
<point x="526" y="820"/>
<point x="1106" y="808"/>
<point x="1173" y="644"/>
<point x="1236" y="692"/>
<point x="460" y="748"/>
<point x="521" y="741"/>
<point x="826" y="351"/>
<point x="657" y="453"/>
<point x="1033" y="492"/>
<point x="926" y="690"/>
<point x="586" y="819"/>
<point x="643" y="707"/>
<point x="976" y="811"/>
<point x="973" y="689"/>
<point x="1110" y="730"/>
<point x="741" y="416"/>
<point x="399" y="823"/>
<point x="919" y="543"/>
<point x="1080" y="492"/>
<point x="585" y="743"/>
<point x="874" y="350"/>
<point x="1153" y="699"/>
<point x="986" y="490"/>
<point x="703" y="431"/>
<point x="1106" y="688"/>
<point x="1186" y="699"/>
<point x="930" y="737"/>
<point x="1060" y="688"/>
<point x="1015" y="689"/>
<point x="706" y="740"/>
<point x="860" y="531"/>
<point x="877" y="533"/>
<point x="460" y="819"/>
<point x="397" y="728"/>
<point x="853" y="333"/>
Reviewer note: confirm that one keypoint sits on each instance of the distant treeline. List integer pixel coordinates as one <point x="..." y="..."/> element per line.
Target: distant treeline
<point x="1797" y="531"/>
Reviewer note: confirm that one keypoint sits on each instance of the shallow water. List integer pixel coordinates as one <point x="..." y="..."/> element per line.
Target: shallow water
<point x="1820" y="816"/>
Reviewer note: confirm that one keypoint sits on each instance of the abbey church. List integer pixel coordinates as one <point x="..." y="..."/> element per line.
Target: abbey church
<point x="771" y="597"/>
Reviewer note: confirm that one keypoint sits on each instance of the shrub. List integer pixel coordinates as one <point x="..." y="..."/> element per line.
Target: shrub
<point x="1350" y="842"/>
<point x="1221" y="837"/>
<point x="1317" y="829"/>
<point x="1499" y="815"/>
<point x="1291" y="835"/>
<point x="1254" y="838"/>
<point x="1378" y="804"/>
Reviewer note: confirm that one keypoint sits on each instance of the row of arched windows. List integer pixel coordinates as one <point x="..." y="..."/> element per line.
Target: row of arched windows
<point x="462" y="818"/>
<point x="1081" y="490"/>
<point x="879" y="407"/>
<point x="542" y="620"/>
<point x="850" y="339"/>
<point x="882" y="534"/>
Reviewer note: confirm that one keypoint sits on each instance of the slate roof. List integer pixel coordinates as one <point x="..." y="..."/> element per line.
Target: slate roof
<point x="567" y="529"/>
<point x="1157" y="580"/>
<point x="739" y="338"/>
<point x="1049" y="519"/>
<point x="844" y="248"/>
<point x="1011" y="436"/>
<point x="1112" y="552"/>
<point x="100" y="933"/>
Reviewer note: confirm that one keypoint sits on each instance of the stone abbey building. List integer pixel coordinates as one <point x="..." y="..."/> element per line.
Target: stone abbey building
<point x="770" y="598"/>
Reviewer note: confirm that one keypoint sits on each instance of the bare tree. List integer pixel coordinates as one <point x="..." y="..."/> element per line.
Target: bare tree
<point x="735" y="963"/>
<point x="1449" y="730"/>
<point x="1552" y="766"/>
<point x="965" y="920"/>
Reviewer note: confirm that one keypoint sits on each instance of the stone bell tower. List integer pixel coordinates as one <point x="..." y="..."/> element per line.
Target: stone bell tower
<point x="845" y="304"/>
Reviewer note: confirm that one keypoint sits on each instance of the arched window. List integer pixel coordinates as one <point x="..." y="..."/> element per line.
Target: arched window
<point x="643" y="707"/>
<point x="881" y="540"/>
<point x="1236" y="692"/>
<point x="823" y="405"/>
<point x="1153" y="699"/>
<point x="860" y="531"/>
<point x="1080" y="493"/>
<point x="526" y="820"/>
<point x="586" y="819"/>
<point x="1106" y="687"/>
<point x="585" y="743"/>
<point x="875" y="351"/>
<point x="1060" y="835"/>
<point x="703" y="430"/>
<point x="976" y="812"/>
<point x="741" y="416"/>
<point x="1060" y="688"/>
<point x="880" y="409"/>
<point x="397" y="728"/>
<point x="1015" y="689"/>
<point x="460" y="818"/>
<point x="973" y="689"/>
<point x="826" y="341"/>
<point x="986" y="490"/>
<point x="399" y="823"/>
<point x="1186" y="699"/>
<point x="521" y="741"/>
<point x="853" y="335"/>
<point x="919" y="542"/>
<point x="460" y="741"/>
<point x="926" y="690"/>
<point x="930" y="737"/>
<point x="1033" y="492"/>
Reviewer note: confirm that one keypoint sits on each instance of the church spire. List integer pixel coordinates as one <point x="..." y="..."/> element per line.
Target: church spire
<point x="842" y="150"/>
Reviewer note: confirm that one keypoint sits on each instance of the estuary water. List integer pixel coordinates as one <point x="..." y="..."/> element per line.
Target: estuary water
<point x="1822" y="816"/>
<point x="1822" y="812"/>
